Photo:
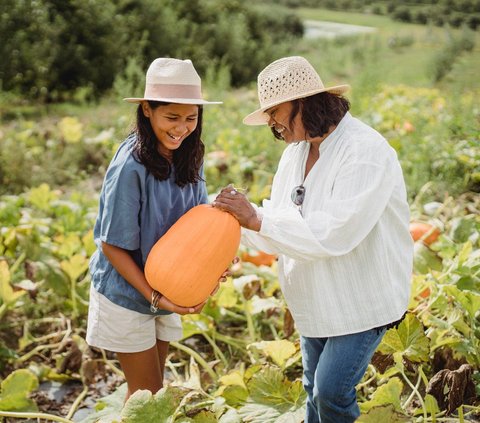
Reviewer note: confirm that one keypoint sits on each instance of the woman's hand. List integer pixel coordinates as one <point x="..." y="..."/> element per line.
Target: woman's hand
<point x="238" y="205"/>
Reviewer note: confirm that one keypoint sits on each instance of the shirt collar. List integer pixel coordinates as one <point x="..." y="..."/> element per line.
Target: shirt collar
<point x="336" y="133"/>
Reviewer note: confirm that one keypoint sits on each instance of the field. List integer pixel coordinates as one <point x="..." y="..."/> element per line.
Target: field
<point x="240" y="359"/>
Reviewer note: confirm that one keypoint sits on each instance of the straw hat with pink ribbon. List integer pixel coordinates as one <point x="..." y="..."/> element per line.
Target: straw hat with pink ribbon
<point x="172" y="81"/>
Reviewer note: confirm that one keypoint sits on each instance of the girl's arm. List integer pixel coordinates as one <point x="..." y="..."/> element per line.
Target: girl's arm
<point x="126" y="266"/>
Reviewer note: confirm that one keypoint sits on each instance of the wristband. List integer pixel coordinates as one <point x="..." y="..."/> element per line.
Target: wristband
<point x="156" y="296"/>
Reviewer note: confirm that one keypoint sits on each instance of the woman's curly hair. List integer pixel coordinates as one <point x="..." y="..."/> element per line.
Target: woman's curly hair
<point x="319" y="113"/>
<point x="187" y="159"/>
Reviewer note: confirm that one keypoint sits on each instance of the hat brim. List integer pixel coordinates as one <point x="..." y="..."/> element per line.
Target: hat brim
<point x="259" y="117"/>
<point x="173" y="100"/>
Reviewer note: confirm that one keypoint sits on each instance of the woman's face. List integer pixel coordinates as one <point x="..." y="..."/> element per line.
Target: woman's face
<point x="279" y="119"/>
<point x="171" y="124"/>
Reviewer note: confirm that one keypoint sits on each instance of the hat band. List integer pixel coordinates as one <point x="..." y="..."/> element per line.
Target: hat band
<point x="173" y="91"/>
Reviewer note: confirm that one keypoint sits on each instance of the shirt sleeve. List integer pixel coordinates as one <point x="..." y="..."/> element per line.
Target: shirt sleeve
<point x="120" y="224"/>
<point x="358" y="199"/>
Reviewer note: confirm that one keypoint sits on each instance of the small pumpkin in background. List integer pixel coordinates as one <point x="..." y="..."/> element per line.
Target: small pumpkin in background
<point x="258" y="258"/>
<point x="186" y="263"/>
<point x="419" y="230"/>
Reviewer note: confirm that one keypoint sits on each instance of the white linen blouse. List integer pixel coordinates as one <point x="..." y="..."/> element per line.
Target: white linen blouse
<point x="345" y="261"/>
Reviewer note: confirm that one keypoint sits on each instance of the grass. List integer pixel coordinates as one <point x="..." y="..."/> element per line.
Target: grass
<point x="398" y="53"/>
<point x="352" y="18"/>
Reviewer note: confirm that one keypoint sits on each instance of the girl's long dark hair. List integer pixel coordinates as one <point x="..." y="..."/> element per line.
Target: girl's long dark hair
<point x="187" y="159"/>
<point x="319" y="113"/>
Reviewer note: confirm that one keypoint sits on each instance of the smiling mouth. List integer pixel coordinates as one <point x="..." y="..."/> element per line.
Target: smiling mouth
<point x="279" y="130"/>
<point x="173" y="137"/>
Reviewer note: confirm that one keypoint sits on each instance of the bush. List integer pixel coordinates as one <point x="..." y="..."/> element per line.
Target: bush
<point x="443" y="60"/>
<point x="57" y="51"/>
<point x="57" y="153"/>
<point x="402" y="13"/>
<point x="420" y="16"/>
<point x="30" y="56"/>
<point x="436" y="140"/>
<point x="57" y="47"/>
<point x="473" y="21"/>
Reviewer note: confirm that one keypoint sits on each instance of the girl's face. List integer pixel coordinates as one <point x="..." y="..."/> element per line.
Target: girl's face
<point x="171" y="124"/>
<point x="279" y="119"/>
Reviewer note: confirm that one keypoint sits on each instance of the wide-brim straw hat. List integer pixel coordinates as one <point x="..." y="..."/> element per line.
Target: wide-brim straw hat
<point x="172" y="81"/>
<point x="286" y="79"/>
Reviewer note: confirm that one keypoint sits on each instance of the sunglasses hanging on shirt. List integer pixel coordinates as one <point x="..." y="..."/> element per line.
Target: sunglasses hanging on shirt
<point x="298" y="196"/>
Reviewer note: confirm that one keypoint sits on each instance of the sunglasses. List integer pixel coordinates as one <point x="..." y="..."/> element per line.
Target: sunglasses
<point x="298" y="196"/>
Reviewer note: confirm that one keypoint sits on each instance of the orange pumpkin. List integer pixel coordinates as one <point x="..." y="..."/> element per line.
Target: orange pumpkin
<point x="258" y="258"/>
<point x="425" y="293"/>
<point x="186" y="263"/>
<point x="419" y="229"/>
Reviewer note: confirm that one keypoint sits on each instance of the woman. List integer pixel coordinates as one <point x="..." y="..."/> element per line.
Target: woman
<point x="154" y="178"/>
<point x="338" y="219"/>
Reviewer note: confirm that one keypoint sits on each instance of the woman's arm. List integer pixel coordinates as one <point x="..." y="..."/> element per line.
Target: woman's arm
<point x="358" y="199"/>
<point x="126" y="266"/>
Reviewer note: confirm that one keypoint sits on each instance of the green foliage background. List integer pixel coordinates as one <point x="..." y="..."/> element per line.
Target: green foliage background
<point x="452" y="12"/>
<point x="239" y="360"/>
<point x="58" y="49"/>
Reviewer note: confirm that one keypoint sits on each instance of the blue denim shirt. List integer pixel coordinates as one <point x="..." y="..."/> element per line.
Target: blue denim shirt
<point x="135" y="210"/>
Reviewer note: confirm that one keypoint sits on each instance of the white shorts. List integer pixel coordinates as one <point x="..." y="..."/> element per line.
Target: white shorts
<point x="115" y="328"/>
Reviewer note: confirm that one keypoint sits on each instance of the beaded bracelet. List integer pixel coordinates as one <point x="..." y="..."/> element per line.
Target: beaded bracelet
<point x="156" y="296"/>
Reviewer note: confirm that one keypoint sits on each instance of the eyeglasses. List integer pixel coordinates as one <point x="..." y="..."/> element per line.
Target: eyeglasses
<point x="298" y="196"/>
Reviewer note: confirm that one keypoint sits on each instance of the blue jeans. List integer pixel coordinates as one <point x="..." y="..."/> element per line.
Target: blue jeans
<point x="332" y="367"/>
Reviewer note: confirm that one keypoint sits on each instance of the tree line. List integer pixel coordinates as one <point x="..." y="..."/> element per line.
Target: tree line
<point x="51" y="49"/>
<point x="440" y="12"/>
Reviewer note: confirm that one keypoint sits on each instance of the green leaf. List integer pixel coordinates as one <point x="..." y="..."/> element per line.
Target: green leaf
<point x="235" y="395"/>
<point x="270" y="387"/>
<point x="203" y="416"/>
<point x="424" y="259"/>
<point x="227" y="296"/>
<point x="388" y="393"/>
<point x="279" y="351"/>
<point x="89" y="243"/>
<point x="14" y="391"/>
<point x="469" y="300"/>
<point x="108" y="409"/>
<point x="462" y="228"/>
<point x="261" y="413"/>
<point x="68" y="245"/>
<point x="196" y="324"/>
<point x="143" y="407"/>
<point x="464" y="253"/>
<point x="42" y="196"/>
<point x="75" y="266"/>
<point x="71" y="129"/>
<point x="384" y="413"/>
<point x="408" y="340"/>
<point x="431" y="405"/>
<point x="7" y="294"/>
<point x="234" y="377"/>
<point x="55" y="278"/>
<point x="44" y="372"/>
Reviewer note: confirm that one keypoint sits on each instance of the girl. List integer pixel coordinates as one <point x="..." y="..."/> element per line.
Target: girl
<point x="153" y="179"/>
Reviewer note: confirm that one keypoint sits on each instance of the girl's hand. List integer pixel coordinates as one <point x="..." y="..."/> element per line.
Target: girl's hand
<point x="238" y="205"/>
<point x="165" y="304"/>
<point x="224" y="276"/>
